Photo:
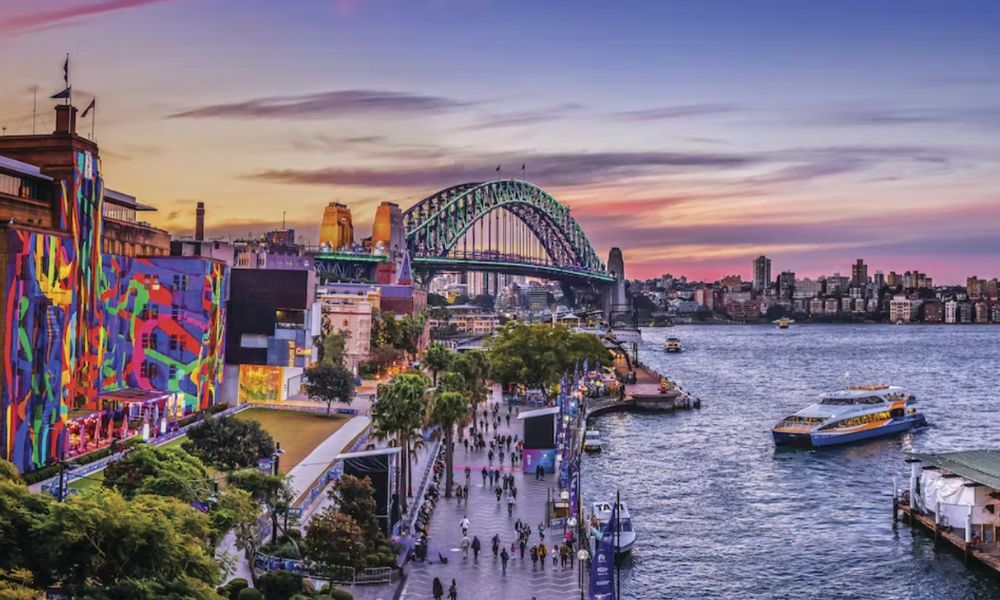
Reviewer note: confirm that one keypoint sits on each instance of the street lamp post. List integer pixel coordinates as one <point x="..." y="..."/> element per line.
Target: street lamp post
<point x="584" y="556"/>
<point x="275" y="464"/>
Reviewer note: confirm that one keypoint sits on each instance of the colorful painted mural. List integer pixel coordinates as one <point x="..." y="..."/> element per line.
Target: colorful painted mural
<point x="163" y="326"/>
<point x="39" y="309"/>
<point x="77" y="324"/>
<point x="261" y="383"/>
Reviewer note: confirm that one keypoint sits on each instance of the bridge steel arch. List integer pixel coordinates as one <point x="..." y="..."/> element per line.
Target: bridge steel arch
<point x="436" y="224"/>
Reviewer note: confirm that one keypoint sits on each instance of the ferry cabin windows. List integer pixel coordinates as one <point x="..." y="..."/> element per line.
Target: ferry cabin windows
<point x="795" y="421"/>
<point x="859" y="420"/>
<point x="849" y="401"/>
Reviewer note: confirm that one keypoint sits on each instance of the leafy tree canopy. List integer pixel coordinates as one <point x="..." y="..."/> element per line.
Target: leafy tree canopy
<point x="334" y="538"/>
<point x="157" y="470"/>
<point x="329" y="383"/>
<point x="539" y="355"/>
<point x="355" y="497"/>
<point x="229" y="443"/>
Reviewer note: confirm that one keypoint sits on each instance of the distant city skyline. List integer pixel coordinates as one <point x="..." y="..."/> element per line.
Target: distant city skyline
<point x="695" y="136"/>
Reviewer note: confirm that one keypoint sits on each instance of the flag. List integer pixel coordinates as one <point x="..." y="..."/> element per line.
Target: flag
<point x="93" y="104"/>
<point x="66" y="71"/>
<point x="498" y="168"/>
<point x="602" y="569"/>
<point x="523" y="165"/>
<point x="63" y="94"/>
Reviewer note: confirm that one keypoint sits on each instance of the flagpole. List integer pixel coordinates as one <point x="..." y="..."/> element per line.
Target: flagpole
<point x="618" y="543"/>
<point x="34" y="110"/>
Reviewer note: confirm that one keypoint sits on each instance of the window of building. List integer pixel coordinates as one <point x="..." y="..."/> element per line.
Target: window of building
<point x="175" y="313"/>
<point x="253" y="340"/>
<point x="174" y="343"/>
<point x="145" y="340"/>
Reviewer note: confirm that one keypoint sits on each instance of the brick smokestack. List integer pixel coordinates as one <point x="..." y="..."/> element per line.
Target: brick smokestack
<point x="199" y="224"/>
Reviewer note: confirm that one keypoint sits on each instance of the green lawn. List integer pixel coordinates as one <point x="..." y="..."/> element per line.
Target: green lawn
<point x="92" y="480"/>
<point x="298" y="432"/>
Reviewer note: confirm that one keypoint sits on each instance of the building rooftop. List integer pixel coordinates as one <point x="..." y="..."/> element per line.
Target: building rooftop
<point x="23" y="168"/>
<point x="123" y="199"/>
<point x="981" y="466"/>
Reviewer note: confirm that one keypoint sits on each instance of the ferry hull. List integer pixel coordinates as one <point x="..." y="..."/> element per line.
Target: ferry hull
<point x="819" y="440"/>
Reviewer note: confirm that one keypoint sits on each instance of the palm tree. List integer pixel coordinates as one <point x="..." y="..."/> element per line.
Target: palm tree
<point x="475" y="368"/>
<point x="400" y="411"/>
<point x="437" y="358"/>
<point x="448" y="409"/>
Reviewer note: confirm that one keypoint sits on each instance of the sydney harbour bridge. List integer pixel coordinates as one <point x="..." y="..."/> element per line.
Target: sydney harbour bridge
<point x="503" y="226"/>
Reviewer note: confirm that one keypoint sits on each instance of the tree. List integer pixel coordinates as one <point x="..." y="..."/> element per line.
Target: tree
<point x="335" y="539"/>
<point x="355" y="497"/>
<point x="329" y="383"/>
<point x="539" y="355"/>
<point x="100" y="539"/>
<point x="383" y="357"/>
<point x="399" y="410"/>
<point x="436" y="300"/>
<point x="280" y="585"/>
<point x="22" y="541"/>
<point x="238" y="510"/>
<point x="229" y="443"/>
<point x="474" y="367"/>
<point x="437" y="358"/>
<point x="158" y="470"/>
<point x="331" y="347"/>
<point x="447" y="409"/>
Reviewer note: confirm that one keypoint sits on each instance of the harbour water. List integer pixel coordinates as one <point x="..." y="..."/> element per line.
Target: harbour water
<point x="722" y="514"/>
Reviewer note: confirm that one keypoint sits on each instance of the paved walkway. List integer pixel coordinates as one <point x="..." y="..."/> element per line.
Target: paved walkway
<point x="484" y="579"/>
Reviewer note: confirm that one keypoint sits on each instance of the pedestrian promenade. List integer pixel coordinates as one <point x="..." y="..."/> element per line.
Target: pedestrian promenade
<point x="484" y="579"/>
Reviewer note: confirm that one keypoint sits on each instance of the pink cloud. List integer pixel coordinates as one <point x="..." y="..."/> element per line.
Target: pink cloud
<point x="65" y="14"/>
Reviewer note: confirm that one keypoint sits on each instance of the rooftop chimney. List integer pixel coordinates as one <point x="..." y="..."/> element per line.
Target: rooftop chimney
<point x="65" y="119"/>
<point x="199" y="224"/>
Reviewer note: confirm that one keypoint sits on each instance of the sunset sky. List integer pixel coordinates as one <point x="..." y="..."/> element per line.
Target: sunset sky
<point x="695" y="135"/>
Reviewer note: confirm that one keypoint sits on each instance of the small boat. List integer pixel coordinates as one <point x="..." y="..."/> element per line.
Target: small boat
<point x="626" y="535"/>
<point x="673" y="344"/>
<point x="856" y="413"/>
<point x="592" y="441"/>
<point x="783" y="322"/>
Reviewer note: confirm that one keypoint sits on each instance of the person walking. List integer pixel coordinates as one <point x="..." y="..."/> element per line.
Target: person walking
<point x="510" y="505"/>
<point x="490" y="455"/>
<point x="437" y="589"/>
<point x="534" y="557"/>
<point x="542" y="552"/>
<point x="465" y="547"/>
<point x="464" y="524"/>
<point x="504" y="557"/>
<point x="564" y="554"/>
<point x="513" y="491"/>
<point x="458" y="494"/>
<point x="555" y="555"/>
<point x="522" y="544"/>
<point x="499" y="493"/>
<point x="468" y="471"/>
<point x="484" y="476"/>
<point x="453" y="591"/>
<point x="476" y="546"/>
<point x="495" y="544"/>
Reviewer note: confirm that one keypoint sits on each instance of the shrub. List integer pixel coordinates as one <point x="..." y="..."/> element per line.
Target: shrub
<point x="339" y="594"/>
<point x="280" y="585"/>
<point x="249" y="594"/>
<point x="232" y="589"/>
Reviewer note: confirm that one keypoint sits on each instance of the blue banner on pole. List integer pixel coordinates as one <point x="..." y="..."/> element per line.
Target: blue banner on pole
<point x="602" y="565"/>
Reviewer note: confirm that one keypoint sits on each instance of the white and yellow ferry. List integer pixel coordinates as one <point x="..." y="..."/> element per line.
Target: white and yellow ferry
<point x="856" y="413"/>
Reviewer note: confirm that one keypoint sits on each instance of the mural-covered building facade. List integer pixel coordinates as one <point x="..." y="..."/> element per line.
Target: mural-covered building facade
<point x="93" y="342"/>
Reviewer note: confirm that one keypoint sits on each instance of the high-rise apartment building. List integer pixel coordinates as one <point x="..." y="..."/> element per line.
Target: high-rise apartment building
<point x="337" y="230"/>
<point x="859" y="273"/>
<point x="879" y="280"/>
<point x="761" y="273"/>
